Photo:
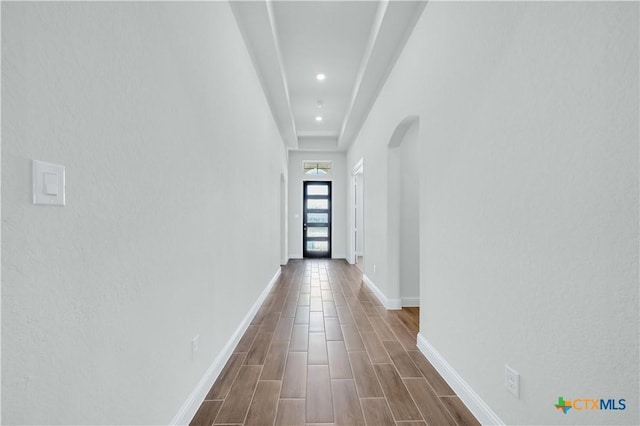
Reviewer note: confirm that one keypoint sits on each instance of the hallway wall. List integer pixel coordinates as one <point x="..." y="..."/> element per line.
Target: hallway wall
<point x="410" y="167"/>
<point x="339" y="188"/>
<point x="171" y="228"/>
<point x="359" y="219"/>
<point x="529" y="198"/>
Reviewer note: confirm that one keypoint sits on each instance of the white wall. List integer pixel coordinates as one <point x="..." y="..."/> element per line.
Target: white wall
<point x="339" y="187"/>
<point x="1" y="315"/>
<point x="409" y="153"/>
<point x="360" y="214"/>
<point x="284" y="201"/>
<point x="173" y="168"/>
<point x="529" y="198"/>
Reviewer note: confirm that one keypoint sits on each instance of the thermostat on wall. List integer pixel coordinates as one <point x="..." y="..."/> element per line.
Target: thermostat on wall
<point x="48" y="183"/>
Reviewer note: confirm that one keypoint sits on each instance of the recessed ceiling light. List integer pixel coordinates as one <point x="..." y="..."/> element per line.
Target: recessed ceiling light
<point x="318" y="118"/>
<point x="320" y="77"/>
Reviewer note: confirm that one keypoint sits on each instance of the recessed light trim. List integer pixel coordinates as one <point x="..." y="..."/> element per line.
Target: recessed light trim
<point x="318" y="118"/>
<point x="320" y="77"/>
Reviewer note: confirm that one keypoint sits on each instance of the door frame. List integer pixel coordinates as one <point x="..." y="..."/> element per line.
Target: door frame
<point x="305" y="253"/>
<point x="357" y="169"/>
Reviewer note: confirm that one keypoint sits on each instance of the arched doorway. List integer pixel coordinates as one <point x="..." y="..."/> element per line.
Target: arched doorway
<point x="403" y="215"/>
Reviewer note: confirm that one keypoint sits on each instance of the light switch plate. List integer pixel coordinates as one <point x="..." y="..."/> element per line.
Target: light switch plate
<point x="48" y="183"/>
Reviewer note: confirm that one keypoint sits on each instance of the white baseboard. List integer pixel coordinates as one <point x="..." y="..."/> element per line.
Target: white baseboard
<point x="333" y="256"/>
<point x="390" y="304"/>
<point x="191" y="405"/>
<point x="467" y="395"/>
<point x="410" y="301"/>
<point x="283" y="262"/>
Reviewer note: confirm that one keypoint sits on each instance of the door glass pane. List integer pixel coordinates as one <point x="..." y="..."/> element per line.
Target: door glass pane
<point x="318" y="204"/>
<point x="318" y="190"/>
<point x="317" y="218"/>
<point x="317" y="232"/>
<point x="317" y="245"/>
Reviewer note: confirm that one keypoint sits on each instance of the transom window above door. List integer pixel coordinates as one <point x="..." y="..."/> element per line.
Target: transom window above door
<point x="317" y="168"/>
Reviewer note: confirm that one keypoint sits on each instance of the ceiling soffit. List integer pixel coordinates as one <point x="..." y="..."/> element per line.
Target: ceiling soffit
<point x="355" y="43"/>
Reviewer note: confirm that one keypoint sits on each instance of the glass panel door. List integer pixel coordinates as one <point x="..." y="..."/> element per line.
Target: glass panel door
<point x="316" y="221"/>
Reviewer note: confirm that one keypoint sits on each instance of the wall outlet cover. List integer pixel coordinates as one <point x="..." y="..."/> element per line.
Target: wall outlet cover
<point x="512" y="381"/>
<point x="194" y="346"/>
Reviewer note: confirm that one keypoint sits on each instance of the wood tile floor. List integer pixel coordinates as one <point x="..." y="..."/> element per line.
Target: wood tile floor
<point x="322" y="350"/>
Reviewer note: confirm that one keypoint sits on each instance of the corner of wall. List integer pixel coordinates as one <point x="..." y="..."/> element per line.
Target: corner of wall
<point x="389" y="304"/>
<point x="193" y="402"/>
<point x="467" y="395"/>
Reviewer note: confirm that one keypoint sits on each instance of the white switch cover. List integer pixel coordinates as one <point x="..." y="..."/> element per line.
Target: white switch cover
<point x="48" y="183"/>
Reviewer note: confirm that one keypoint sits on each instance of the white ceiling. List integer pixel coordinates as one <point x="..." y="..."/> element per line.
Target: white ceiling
<point x="354" y="43"/>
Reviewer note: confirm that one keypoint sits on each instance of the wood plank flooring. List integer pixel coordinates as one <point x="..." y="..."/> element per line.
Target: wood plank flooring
<point x="322" y="350"/>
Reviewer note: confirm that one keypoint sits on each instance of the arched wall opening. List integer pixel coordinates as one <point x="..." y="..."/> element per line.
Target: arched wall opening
<point x="403" y="215"/>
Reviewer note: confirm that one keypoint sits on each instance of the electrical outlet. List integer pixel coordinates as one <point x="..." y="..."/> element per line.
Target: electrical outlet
<point x="512" y="381"/>
<point x="194" y="346"/>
